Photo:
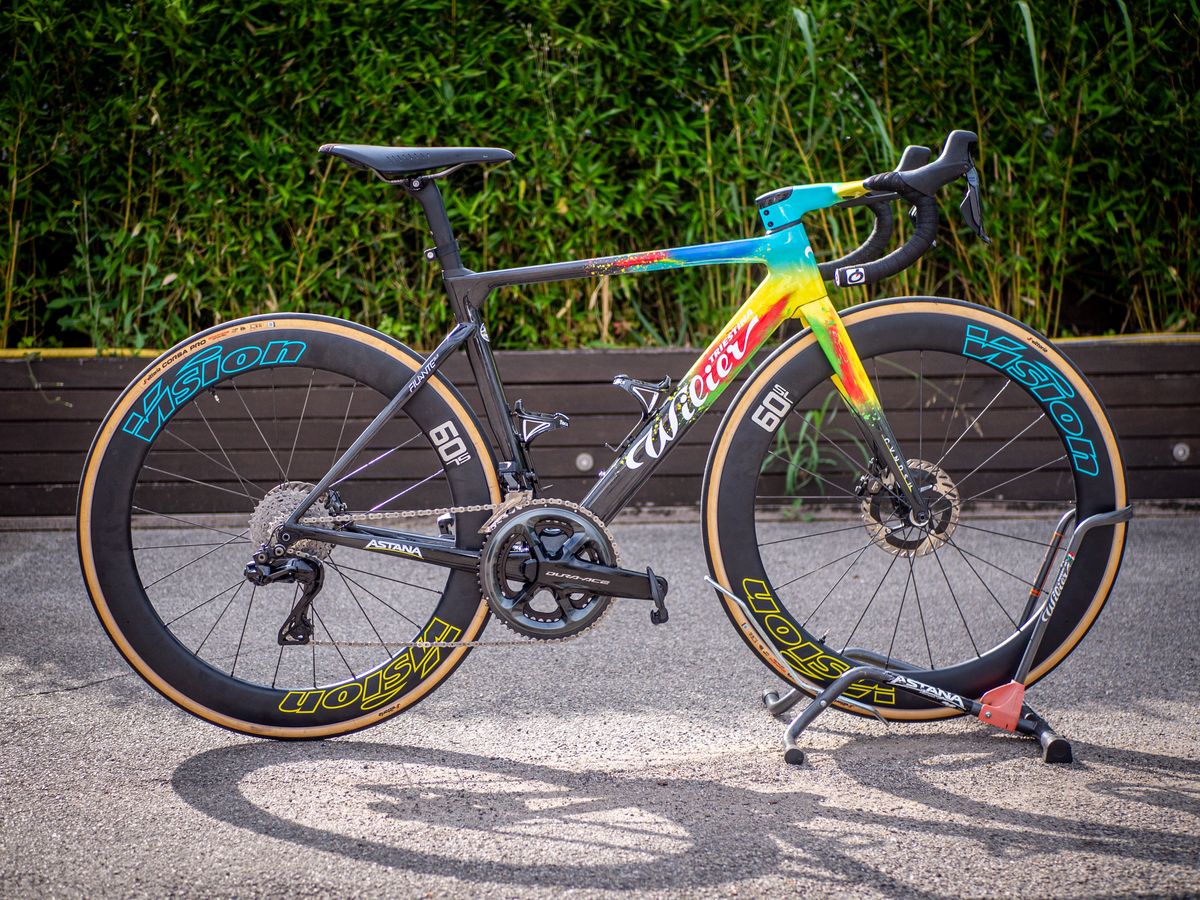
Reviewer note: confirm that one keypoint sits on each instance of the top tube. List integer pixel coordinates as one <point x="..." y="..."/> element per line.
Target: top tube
<point x="783" y="250"/>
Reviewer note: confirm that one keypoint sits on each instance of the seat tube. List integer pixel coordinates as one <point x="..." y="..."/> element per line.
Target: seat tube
<point x="479" y="350"/>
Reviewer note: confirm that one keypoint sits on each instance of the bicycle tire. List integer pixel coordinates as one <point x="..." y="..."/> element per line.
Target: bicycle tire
<point x="751" y="532"/>
<point x="173" y="463"/>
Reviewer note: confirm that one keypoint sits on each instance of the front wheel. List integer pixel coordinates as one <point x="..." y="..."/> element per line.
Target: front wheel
<point x="1003" y="435"/>
<point x="214" y="445"/>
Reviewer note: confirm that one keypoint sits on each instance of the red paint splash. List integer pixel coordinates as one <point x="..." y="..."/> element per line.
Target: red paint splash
<point x="641" y="259"/>
<point x="854" y="389"/>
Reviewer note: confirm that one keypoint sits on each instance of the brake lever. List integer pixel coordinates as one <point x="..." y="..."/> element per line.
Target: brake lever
<point x="972" y="207"/>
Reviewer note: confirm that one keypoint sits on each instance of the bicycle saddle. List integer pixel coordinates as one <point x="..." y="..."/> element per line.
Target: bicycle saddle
<point x="390" y="162"/>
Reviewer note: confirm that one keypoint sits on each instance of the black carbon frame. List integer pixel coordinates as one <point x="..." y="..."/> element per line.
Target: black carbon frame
<point x="468" y="291"/>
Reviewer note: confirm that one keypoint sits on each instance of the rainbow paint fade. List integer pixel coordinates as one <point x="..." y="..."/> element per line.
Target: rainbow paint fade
<point x="792" y="288"/>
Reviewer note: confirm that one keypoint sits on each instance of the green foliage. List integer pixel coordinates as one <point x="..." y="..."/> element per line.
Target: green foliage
<point x="162" y="175"/>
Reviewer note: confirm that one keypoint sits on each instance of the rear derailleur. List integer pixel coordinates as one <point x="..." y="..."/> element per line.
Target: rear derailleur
<point x="297" y="628"/>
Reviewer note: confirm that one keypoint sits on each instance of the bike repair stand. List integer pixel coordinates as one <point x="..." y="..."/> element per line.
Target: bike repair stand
<point x="1003" y="706"/>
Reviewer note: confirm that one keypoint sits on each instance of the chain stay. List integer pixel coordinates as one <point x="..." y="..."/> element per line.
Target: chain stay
<point x="519" y="499"/>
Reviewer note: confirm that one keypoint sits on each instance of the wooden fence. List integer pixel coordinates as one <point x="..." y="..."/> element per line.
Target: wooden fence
<point x="50" y="409"/>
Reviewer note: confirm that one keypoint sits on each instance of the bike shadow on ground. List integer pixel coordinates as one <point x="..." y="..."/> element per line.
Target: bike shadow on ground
<point x="480" y="819"/>
<point x="1154" y="779"/>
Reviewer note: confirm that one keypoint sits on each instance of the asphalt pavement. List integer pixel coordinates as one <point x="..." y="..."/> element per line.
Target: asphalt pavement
<point x="633" y="759"/>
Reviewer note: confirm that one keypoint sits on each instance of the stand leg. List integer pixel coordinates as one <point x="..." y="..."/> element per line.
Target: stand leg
<point x="1055" y="748"/>
<point x="777" y="704"/>
<point x="791" y="752"/>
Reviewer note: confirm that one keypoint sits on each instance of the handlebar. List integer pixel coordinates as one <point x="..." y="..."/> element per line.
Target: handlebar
<point x="872" y="248"/>
<point x="916" y="185"/>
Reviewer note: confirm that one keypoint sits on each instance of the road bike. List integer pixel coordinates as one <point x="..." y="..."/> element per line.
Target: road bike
<point x="294" y="526"/>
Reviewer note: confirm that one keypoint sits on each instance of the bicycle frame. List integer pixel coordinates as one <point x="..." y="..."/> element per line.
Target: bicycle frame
<point x="792" y="288"/>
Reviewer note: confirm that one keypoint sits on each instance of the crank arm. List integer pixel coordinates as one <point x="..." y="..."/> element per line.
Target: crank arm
<point x="606" y="581"/>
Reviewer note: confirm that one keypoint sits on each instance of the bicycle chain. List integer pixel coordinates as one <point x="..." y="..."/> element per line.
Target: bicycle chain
<point x="380" y="515"/>
<point x="515" y="501"/>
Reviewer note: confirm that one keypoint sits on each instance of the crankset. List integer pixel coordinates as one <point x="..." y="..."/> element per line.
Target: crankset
<point x="549" y="570"/>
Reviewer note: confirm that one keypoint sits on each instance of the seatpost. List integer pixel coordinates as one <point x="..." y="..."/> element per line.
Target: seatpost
<point x="445" y="248"/>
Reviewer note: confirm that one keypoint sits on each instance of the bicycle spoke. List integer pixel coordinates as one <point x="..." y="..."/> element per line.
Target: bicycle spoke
<point x="218" y="463"/>
<point x="878" y="588"/>
<point x="186" y="546"/>
<point x="332" y="640"/>
<point x="850" y="499"/>
<point x="821" y="567"/>
<point x="812" y="473"/>
<point x="954" y="407"/>
<point x="921" y="614"/>
<point x="196" y="560"/>
<point x="224" y="610"/>
<point x="242" y="637"/>
<point x="1016" y="478"/>
<point x="984" y="583"/>
<point x="954" y="597"/>
<point x="899" y="613"/>
<point x="207" y="484"/>
<point x="337" y="448"/>
<point x="387" y="578"/>
<point x="990" y="563"/>
<point x="279" y="658"/>
<point x="203" y="603"/>
<point x="413" y="487"/>
<point x="221" y="446"/>
<point x="189" y="522"/>
<point x="1000" y="450"/>
<point x="829" y="593"/>
<point x="801" y="537"/>
<point x="358" y="603"/>
<point x="383" y="455"/>
<point x="973" y="422"/>
<point x="362" y="587"/>
<point x="1011" y="537"/>
<point x="1030" y="502"/>
<point x="299" y="425"/>
<point x="254" y="422"/>
<point x="921" y="408"/>
<point x="820" y="433"/>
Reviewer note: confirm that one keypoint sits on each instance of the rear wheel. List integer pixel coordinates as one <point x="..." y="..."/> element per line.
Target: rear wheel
<point x="1003" y="435"/>
<point x="206" y="452"/>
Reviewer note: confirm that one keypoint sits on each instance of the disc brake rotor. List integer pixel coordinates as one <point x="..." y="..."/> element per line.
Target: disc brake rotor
<point x="887" y="516"/>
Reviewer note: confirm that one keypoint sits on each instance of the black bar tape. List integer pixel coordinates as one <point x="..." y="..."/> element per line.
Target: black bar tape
<point x="872" y="248"/>
<point x="900" y="259"/>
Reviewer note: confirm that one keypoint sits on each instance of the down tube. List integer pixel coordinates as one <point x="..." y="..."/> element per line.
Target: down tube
<point x="776" y="298"/>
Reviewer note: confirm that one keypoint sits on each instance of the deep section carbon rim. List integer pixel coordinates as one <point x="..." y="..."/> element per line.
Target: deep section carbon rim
<point x="1002" y="443"/>
<point x="203" y="460"/>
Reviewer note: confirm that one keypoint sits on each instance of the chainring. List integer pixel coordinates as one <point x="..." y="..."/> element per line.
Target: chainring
<point x="561" y="530"/>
